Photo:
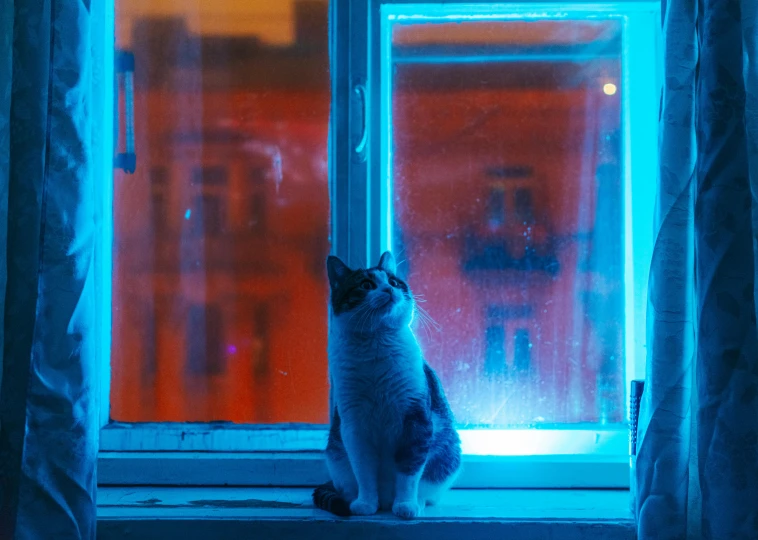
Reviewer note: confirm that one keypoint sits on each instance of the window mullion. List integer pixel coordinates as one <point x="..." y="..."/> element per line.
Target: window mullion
<point x="348" y="129"/>
<point x="103" y="51"/>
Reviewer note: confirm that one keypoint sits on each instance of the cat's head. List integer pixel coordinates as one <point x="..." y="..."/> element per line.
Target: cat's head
<point x="371" y="299"/>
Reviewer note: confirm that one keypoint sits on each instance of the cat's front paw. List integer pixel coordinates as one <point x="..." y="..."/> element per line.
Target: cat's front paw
<point x="406" y="510"/>
<point x="362" y="507"/>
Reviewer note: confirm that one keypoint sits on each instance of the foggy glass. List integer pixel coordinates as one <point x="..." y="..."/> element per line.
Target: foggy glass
<point x="508" y="205"/>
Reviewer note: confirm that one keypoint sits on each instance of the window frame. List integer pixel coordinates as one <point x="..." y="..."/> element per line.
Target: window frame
<point x="360" y="196"/>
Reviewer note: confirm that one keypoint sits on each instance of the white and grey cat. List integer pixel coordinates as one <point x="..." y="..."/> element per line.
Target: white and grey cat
<point x="392" y="439"/>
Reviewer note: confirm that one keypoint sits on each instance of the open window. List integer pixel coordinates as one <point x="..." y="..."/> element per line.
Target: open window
<point x="504" y="152"/>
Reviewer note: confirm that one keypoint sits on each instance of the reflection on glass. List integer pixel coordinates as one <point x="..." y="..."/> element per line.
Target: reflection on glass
<point x="508" y="205"/>
<point x="219" y="292"/>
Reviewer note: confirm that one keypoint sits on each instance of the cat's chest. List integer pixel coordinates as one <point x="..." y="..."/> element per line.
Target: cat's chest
<point x="376" y="405"/>
<point x="376" y="380"/>
<point x="381" y="387"/>
<point x="381" y="381"/>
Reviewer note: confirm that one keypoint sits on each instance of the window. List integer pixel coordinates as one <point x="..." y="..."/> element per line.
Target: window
<point x="260" y="338"/>
<point x="231" y="113"/>
<point x="207" y="177"/>
<point x="496" y="207"/>
<point x="207" y="216"/>
<point x="522" y="201"/>
<point x="503" y="153"/>
<point x="149" y="352"/>
<point x="522" y="351"/>
<point x="258" y="200"/>
<point x="159" y="182"/>
<point x="493" y="112"/>
<point x="494" y="362"/>
<point x="204" y="338"/>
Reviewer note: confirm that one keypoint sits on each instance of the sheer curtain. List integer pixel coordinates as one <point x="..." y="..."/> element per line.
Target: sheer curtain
<point x="48" y="413"/>
<point x="697" y="460"/>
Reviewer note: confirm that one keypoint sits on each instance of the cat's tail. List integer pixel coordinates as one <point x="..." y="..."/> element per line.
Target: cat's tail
<point x="326" y="497"/>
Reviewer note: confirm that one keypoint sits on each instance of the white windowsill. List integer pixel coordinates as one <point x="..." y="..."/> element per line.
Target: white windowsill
<point x="228" y="512"/>
<point x="297" y="469"/>
<point x="221" y="454"/>
<point x="227" y="437"/>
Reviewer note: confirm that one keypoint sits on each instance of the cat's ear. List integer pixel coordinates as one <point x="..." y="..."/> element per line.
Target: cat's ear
<point x="337" y="271"/>
<point x="387" y="263"/>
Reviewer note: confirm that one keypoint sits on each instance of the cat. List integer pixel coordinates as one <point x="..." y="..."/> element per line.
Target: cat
<point x="392" y="439"/>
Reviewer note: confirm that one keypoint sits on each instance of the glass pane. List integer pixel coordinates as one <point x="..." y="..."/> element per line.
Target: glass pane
<point x="507" y="194"/>
<point x="219" y="289"/>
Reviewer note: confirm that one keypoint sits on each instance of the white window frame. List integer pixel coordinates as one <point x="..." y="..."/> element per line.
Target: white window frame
<point x="360" y="191"/>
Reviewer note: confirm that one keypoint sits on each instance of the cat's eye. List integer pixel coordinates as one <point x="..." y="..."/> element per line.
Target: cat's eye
<point x="367" y="284"/>
<point x="394" y="282"/>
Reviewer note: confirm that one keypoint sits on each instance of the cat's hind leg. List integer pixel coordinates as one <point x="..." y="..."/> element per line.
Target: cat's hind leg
<point x="429" y="493"/>
<point x="441" y="471"/>
<point x="410" y="458"/>
<point x="342" y="476"/>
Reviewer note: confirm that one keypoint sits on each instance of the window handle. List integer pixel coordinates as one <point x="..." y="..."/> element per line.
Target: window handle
<point x="124" y="68"/>
<point x="360" y="120"/>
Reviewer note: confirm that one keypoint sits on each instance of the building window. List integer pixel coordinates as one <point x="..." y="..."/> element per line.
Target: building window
<point x="523" y="206"/>
<point x="258" y="176"/>
<point x="149" y="319"/>
<point x="208" y="216"/>
<point x="494" y="361"/>
<point x="159" y="186"/>
<point x="258" y="212"/>
<point x="496" y="207"/>
<point x="209" y="176"/>
<point x="204" y="341"/>
<point x="522" y="351"/>
<point x="160" y="211"/>
<point x="261" y="360"/>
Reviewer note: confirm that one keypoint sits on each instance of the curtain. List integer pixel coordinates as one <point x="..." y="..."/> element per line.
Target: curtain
<point x="48" y="413"/>
<point x="697" y="462"/>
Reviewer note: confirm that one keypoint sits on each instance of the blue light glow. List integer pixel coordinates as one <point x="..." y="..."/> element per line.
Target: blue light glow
<point x="535" y="442"/>
<point x="415" y="13"/>
<point x="640" y="86"/>
<point x="385" y="44"/>
<point x="103" y="30"/>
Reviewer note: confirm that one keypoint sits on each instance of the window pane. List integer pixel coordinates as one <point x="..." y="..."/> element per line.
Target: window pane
<point x="219" y="289"/>
<point x="506" y="168"/>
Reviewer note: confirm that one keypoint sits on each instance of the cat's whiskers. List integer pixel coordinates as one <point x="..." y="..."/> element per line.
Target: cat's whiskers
<point x="367" y="316"/>
<point x="362" y="308"/>
<point x="428" y="319"/>
<point x="423" y="325"/>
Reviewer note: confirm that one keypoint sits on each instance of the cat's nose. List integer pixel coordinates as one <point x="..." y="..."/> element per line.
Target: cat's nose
<point x="387" y="290"/>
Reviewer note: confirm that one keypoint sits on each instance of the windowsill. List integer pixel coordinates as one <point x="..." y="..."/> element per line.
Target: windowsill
<point x="295" y="469"/>
<point x="281" y="513"/>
